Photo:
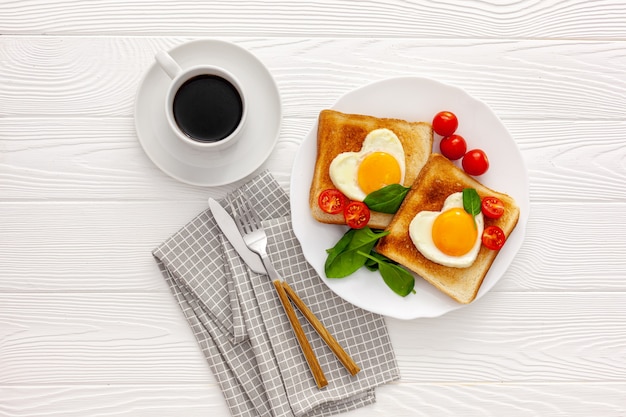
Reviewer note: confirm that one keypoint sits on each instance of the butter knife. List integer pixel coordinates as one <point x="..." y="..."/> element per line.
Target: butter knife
<point x="229" y="228"/>
<point x="227" y="224"/>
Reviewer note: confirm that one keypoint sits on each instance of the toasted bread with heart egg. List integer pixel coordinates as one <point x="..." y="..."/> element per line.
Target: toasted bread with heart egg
<point x="437" y="180"/>
<point x="340" y="132"/>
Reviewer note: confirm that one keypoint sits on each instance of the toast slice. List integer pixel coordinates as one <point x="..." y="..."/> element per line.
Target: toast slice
<point x="340" y="132"/>
<point x="438" y="179"/>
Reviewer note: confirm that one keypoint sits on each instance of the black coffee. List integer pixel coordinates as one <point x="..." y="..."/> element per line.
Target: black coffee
<point x="207" y="108"/>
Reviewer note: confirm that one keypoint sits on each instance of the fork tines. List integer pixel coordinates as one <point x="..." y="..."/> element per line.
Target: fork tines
<point x="245" y="216"/>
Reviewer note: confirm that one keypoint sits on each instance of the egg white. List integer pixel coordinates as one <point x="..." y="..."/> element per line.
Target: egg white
<point x="420" y="230"/>
<point x="343" y="169"/>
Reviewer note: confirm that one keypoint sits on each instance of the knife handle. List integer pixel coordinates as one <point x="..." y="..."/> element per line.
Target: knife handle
<point x="332" y="343"/>
<point x="309" y="355"/>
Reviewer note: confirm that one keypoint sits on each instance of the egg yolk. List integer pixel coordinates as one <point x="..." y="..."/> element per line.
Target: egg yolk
<point x="454" y="232"/>
<point x="378" y="170"/>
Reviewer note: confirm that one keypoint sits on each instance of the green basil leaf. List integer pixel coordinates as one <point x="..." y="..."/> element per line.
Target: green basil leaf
<point x="471" y="201"/>
<point x="364" y="236"/>
<point x="344" y="258"/>
<point x="398" y="279"/>
<point x="388" y="199"/>
<point x="340" y="246"/>
<point x="372" y="261"/>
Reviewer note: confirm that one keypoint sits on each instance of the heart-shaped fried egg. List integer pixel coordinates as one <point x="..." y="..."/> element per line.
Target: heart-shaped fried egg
<point x="379" y="163"/>
<point x="450" y="237"/>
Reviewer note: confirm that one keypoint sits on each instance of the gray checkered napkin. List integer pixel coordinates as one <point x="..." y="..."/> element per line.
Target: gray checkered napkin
<point x="243" y="331"/>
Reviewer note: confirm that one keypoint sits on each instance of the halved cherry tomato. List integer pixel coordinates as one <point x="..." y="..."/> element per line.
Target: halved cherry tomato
<point x="492" y="207"/>
<point x="493" y="238"/>
<point x="475" y="162"/>
<point x="332" y="201"/>
<point x="445" y="123"/>
<point x="357" y="214"/>
<point x="453" y="147"/>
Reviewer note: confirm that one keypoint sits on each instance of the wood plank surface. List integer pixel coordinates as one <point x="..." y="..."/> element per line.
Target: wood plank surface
<point x="201" y="400"/>
<point x="105" y="247"/>
<point x="519" y="79"/>
<point x="480" y="400"/>
<point x="88" y="326"/>
<point x="189" y="400"/>
<point x="44" y="159"/>
<point x="140" y="339"/>
<point x="579" y="19"/>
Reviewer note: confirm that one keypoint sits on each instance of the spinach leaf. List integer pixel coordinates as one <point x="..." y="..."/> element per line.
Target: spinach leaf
<point x="344" y="258"/>
<point x="340" y="246"/>
<point x="471" y="201"/>
<point x="388" y="199"/>
<point x="372" y="264"/>
<point x="396" y="277"/>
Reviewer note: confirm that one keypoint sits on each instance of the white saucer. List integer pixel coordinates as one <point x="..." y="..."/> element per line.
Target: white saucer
<point x="210" y="168"/>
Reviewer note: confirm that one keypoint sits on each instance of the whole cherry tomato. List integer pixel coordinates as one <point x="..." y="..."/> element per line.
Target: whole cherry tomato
<point x="332" y="201"/>
<point x="475" y="162"/>
<point x="493" y="238"/>
<point x="357" y="214"/>
<point x="453" y="147"/>
<point x="492" y="207"/>
<point x="445" y="123"/>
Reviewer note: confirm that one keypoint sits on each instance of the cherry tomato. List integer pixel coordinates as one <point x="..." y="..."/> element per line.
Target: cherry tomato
<point x="357" y="214"/>
<point x="445" y="123"/>
<point x="493" y="238"/>
<point x="475" y="162"/>
<point x="332" y="201"/>
<point x="492" y="207"/>
<point x="453" y="147"/>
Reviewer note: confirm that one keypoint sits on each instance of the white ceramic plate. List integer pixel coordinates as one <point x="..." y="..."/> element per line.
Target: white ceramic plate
<point x="210" y="168"/>
<point x="416" y="99"/>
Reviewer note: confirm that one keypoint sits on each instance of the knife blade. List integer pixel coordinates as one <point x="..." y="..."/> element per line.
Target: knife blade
<point x="229" y="228"/>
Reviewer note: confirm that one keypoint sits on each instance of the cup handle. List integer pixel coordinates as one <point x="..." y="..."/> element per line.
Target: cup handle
<point x="167" y="63"/>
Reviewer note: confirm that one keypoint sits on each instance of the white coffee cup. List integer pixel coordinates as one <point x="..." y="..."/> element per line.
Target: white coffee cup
<point x="205" y="105"/>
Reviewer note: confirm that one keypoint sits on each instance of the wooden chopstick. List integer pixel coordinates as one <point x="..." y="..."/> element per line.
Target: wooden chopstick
<point x="332" y="343"/>
<point x="309" y="355"/>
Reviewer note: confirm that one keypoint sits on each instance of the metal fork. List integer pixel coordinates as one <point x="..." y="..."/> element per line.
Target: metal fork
<point x="249" y="225"/>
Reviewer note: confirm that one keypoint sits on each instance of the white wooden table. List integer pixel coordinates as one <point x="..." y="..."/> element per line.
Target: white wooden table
<point x="87" y="324"/>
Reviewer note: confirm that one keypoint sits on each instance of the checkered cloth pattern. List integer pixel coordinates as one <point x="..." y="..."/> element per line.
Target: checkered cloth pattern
<point x="241" y="327"/>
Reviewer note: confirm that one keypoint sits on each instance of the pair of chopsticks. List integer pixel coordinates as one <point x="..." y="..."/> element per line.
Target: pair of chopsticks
<point x="287" y="295"/>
